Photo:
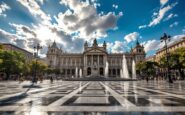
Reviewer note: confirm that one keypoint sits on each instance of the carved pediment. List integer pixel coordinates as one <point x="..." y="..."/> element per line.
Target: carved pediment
<point x="95" y="50"/>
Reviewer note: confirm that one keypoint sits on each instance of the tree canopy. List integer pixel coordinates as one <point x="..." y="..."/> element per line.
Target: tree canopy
<point x="176" y="61"/>
<point x="38" y="66"/>
<point x="146" y="68"/>
<point x="11" y="62"/>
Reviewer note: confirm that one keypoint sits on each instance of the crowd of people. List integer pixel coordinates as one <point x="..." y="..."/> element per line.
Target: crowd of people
<point x="22" y="78"/>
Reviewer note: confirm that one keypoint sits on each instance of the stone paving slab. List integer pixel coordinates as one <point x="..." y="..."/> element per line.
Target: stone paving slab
<point x="92" y="100"/>
<point x="130" y="97"/>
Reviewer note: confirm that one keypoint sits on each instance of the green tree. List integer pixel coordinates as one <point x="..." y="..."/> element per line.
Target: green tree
<point x="38" y="67"/>
<point x="139" y="68"/>
<point x="1" y="47"/>
<point x="1" y="60"/>
<point x="49" y="71"/>
<point x="57" y="72"/>
<point x="181" y="53"/>
<point x="176" y="61"/>
<point x="11" y="62"/>
<point x="147" y="69"/>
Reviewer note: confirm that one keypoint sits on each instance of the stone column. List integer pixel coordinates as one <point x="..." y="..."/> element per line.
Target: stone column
<point x="65" y="72"/>
<point x="62" y="61"/>
<point x="91" y="60"/>
<point x="71" y="61"/>
<point x="82" y="63"/>
<point x="98" y="61"/>
<point x="104" y="61"/>
<point x="69" y="73"/>
<point x="78" y="60"/>
<point x="84" y="60"/>
<point x="74" y="62"/>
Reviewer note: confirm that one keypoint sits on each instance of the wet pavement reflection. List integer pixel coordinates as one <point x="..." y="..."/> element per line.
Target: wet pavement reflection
<point x="93" y="98"/>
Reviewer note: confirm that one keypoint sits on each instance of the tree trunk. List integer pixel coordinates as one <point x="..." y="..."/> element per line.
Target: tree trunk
<point x="181" y="73"/>
<point x="7" y="76"/>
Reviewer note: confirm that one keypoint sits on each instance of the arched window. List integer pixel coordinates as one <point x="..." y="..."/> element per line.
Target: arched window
<point x="68" y="71"/>
<point x="118" y="71"/>
<point x="114" y="71"/>
<point x="73" y="71"/>
<point x="63" y="71"/>
<point x="88" y="71"/>
<point x="50" y="62"/>
<point x="101" y="71"/>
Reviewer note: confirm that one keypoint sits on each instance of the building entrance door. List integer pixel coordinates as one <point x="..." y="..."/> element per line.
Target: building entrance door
<point x="88" y="71"/>
<point x="95" y="71"/>
<point x="101" y="71"/>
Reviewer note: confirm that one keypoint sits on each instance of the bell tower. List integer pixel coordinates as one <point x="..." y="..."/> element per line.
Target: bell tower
<point x="95" y="44"/>
<point x="138" y="52"/>
<point x="85" y="46"/>
<point x="104" y="45"/>
<point x="52" y="55"/>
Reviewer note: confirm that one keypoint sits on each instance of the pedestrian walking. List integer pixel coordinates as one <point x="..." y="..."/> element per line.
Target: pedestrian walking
<point x="51" y="79"/>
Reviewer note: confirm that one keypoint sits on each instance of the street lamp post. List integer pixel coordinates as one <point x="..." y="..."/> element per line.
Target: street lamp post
<point x="164" y="38"/>
<point x="37" y="48"/>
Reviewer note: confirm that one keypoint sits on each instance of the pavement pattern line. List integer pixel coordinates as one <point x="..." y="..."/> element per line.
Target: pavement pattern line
<point x="157" y="91"/>
<point x="60" y="101"/>
<point x="58" y="108"/>
<point x="29" y="92"/>
<point x="123" y="101"/>
<point x="91" y="109"/>
<point x="26" y="100"/>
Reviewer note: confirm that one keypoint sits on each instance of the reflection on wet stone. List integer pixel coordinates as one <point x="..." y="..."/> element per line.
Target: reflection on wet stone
<point x="43" y="101"/>
<point x="92" y="101"/>
<point x="116" y="113"/>
<point x="113" y="98"/>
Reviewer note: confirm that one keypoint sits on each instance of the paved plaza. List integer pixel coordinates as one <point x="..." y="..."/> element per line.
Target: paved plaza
<point x="92" y="98"/>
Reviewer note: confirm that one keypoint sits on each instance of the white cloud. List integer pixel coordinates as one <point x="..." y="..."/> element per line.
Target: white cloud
<point x="160" y="15"/>
<point x="35" y="10"/>
<point x="154" y="44"/>
<point x="23" y="31"/>
<point x="163" y="2"/>
<point x="151" y="45"/>
<point x="170" y="16"/>
<point x="115" y="6"/>
<point x="44" y="32"/>
<point x="131" y="37"/>
<point x="6" y="36"/>
<point x="3" y="8"/>
<point x="174" y="24"/>
<point x="157" y="17"/>
<point x="142" y="26"/>
<point x="120" y="13"/>
<point x="82" y="18"/>
<point x="183" y="30"/>
<point x="95" y="3"/>
<point x="26" y="37"/>
<point x="40" y="1"/>
<point x="117" y="47"/>
<point x="176" y="38"/>
<point x="80" y="22"/>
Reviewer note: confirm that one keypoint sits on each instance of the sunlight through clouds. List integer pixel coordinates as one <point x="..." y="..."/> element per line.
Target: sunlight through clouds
<point x="71" y="22"/>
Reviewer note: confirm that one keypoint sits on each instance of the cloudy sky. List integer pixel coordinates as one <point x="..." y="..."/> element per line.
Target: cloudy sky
<point x="71" y="22"/>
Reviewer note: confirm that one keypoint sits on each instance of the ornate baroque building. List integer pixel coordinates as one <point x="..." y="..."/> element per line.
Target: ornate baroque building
<point x="93" y="60"/>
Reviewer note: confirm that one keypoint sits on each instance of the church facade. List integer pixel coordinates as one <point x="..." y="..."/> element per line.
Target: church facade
<point x="92" y="61"/>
